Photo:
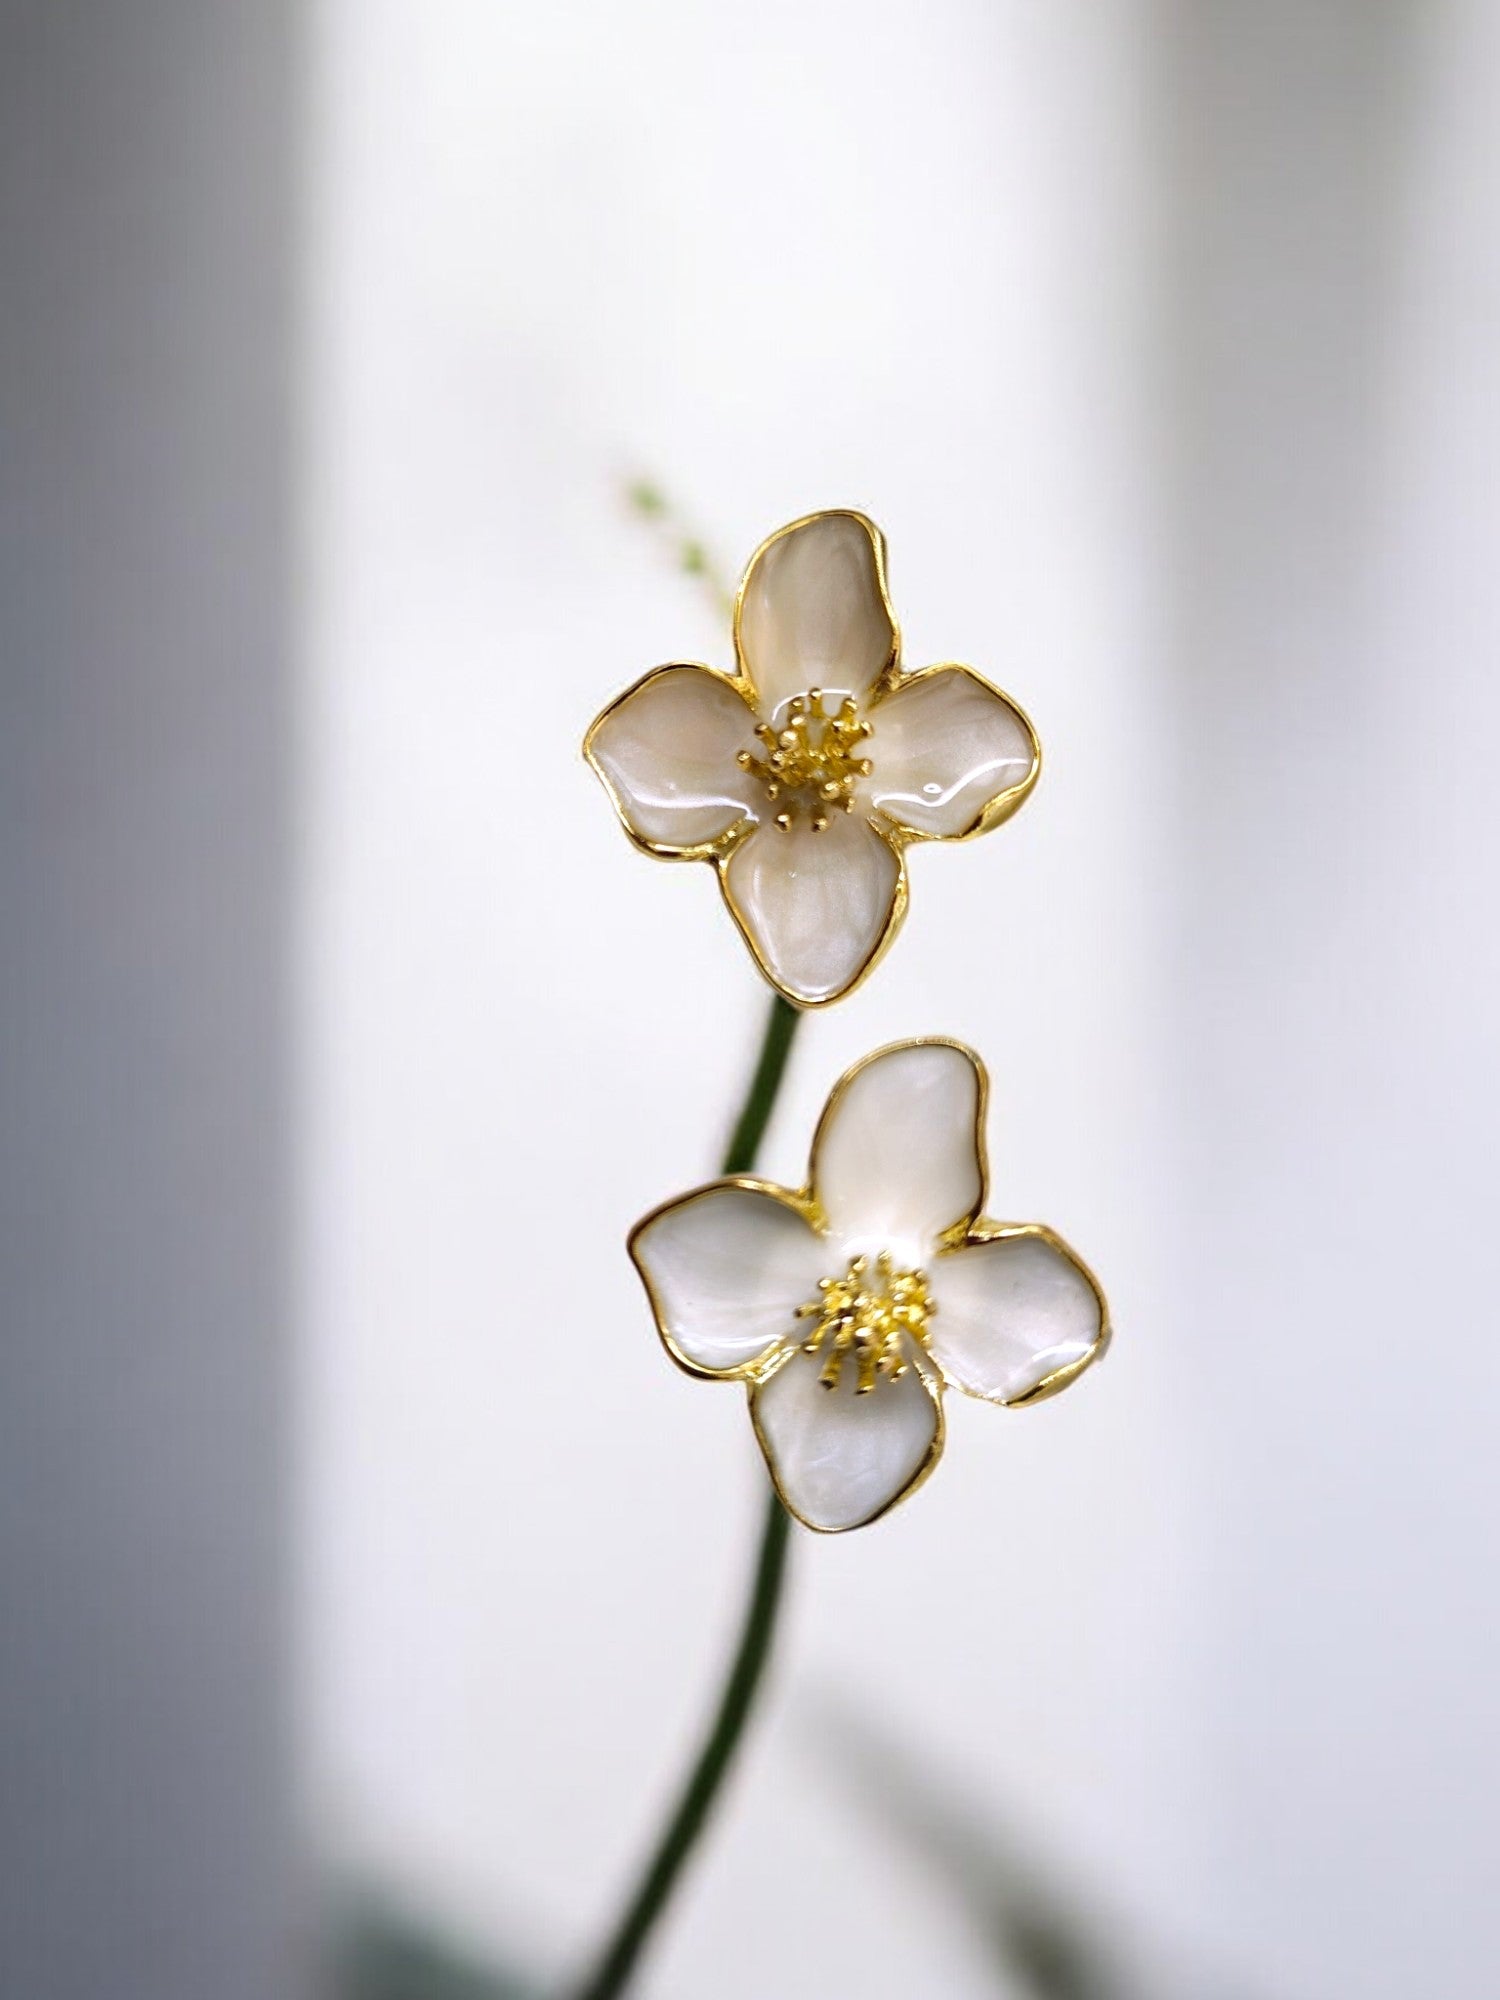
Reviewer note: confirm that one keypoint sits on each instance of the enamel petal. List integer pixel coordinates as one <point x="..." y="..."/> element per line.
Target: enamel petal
<point x="838" y="1458"/>
<point x="726" y="1268"/>
<point x="815" y="908"/>
<point x="666" y="750"/>
<point x="1013" y="1313"/>
<point x="951" y="754"/>
<point x="812" y="610"/>
<point x="897" y="1158"/>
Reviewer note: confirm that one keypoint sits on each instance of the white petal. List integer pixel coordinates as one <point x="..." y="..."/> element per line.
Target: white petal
<point x="814" y="907"/>
<point x="1012" y="1313"/>
<point x="726" y="1268"/>
<point x="839" y="1458"/>
<point x="897" y="1158"/>
<point x="812" y="612"/>
<point x="949" y="752"/>
<point x="666" y="750"/>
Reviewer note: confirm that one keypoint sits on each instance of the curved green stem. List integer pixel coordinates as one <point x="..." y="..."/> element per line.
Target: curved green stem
<point x="760" y="1098"/>
<point x="711" y="1766"/>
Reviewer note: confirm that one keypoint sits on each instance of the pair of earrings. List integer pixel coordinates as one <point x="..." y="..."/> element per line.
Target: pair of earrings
<point x="849" y="1305"/>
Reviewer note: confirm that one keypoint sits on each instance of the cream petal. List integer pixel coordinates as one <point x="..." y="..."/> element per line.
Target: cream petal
<point x="897" y="1158"/>
<point x="666" y="751"/>
<point x="1013" y="1313"/>
<point x="951" y="754"/>
<point x="838" y="1458"/>
<point x="725" y="1269"/>
<point x="815" y="908"/>
<point x="812" y="610"/>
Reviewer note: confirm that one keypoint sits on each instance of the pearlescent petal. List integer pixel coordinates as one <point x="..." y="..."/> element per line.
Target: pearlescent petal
<point x="812" y="613"/>
<point x="896" y="1160"/>
<point x="726" y="1268"/>
<point x="814" y="907"/>
<point x="839" y="1458"/>
<point x="946" y="747"/>
<point x="1011" y="1313"/>
<point x="666" y="750"/>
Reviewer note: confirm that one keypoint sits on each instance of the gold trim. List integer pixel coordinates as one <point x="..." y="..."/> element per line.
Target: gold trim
<point x="986" y="1230"/>
<point x="971" y="1229"/>
<point x="744" y="673"/>
<point x="661" y="850"/>
<point x="931" y="1382"/>
<point x="894" y="916"/>
<point x="898" y="836"/>
<point x="995" y="811"/>
<point x="957" y="1229"/>
<point x="800" y="1204"/>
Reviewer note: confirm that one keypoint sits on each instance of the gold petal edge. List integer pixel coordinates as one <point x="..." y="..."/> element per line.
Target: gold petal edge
<point x="995" y="811"/>
<point x="934" y="1385"/>
<point x="723" y="844"/>
<point x="768" y="1359"/>
<point x="894" y="918"/>
<point x="956" y="1230"/>
<point x="743" y="671"/>
<point x="986" y="1230"/>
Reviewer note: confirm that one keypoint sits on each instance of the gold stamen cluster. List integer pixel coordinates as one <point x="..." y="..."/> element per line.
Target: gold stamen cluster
<point x="866" y="1313"/>
<point x="809" y="761"/>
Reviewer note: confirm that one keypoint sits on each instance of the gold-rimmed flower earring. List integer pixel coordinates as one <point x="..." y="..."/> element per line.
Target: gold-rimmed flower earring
<point x="849" y="1305"/>
<point x="805" y="774"/>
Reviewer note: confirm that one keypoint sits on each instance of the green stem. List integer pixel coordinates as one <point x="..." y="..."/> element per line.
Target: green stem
<point x="755" y="1113"/>
<point x="688" y="552"/>
<point x="686" y="1821"/>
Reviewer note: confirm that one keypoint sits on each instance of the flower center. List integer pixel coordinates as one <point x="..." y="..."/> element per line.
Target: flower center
<point x="810" y="763"/>
<point x="865" y="1313"/>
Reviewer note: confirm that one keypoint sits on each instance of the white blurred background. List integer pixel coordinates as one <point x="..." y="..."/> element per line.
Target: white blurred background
<point x="1160" y="337"/>
<point x="1161" y="342"/>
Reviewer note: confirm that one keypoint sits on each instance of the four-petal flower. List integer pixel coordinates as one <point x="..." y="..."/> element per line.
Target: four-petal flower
<point x="804" y="775"/>
<point x="849" y="1305"/>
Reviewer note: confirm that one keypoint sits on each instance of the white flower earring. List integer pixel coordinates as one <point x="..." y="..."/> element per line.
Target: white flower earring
<point x="805" y="775"/>
<point x="848" y="1306"/>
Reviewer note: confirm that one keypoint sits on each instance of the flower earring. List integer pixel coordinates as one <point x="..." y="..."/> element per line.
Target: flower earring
<point x="805" y="775"/>
<point x="848" y="1306"/>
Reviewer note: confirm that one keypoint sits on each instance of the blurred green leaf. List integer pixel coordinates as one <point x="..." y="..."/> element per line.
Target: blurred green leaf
<point x="646" y="499"/>
<point x="1050" y="1935"/>
<point x="1039" y="1932"/>
<point x="690" y="553"/>
<point x="375" y="1952"/>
